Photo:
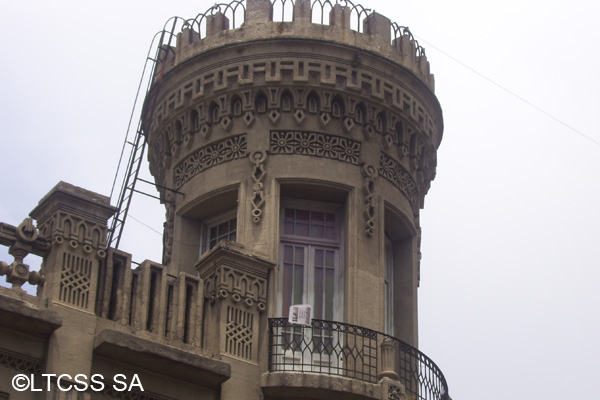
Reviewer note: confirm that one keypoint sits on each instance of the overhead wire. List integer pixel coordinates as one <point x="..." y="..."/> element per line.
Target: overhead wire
<point x="510" y="92"/>
<point x="539" y="109"/>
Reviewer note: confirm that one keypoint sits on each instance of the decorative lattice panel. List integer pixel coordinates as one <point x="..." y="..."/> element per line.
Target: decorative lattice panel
<point x="238" y="333"/>
<point x="75" y="280"/>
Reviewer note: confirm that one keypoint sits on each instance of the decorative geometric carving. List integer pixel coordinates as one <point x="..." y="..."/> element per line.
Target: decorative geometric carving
<point x="348" y="124"/>
<point x="226" y="122"/>
<point x="325" y="118"/>
<point x="20" y="362"/>
<point x="26" y="231"/>
<point x="249" y="118"/>
<point x="369" y="173"/>
<point x="75" y="280"/>
<point x="395" y="392"/>
<point x="402" y="151"/>
<point x="110" y="391"/>
<point x="391" y="170"/>
<point x="401" y="100"/>
<point x="368" y="131"/>
<point x="299" y="115"/>
<point x="258" y="199"/>
<point x="315" y="144"/>
<point x="388" y="140"/>
<point x="274" y="116"/>
<point x="238" y="332"/>
<point x="241" y="284"/>
<point x="208" y="156"/>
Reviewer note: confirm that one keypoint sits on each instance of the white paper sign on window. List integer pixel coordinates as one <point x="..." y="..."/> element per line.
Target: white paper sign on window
<point x="300" y="314"/>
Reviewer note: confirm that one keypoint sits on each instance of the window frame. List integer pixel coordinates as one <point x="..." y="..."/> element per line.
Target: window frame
<point x="213" y="221"/>
<point x="311" y="244"/>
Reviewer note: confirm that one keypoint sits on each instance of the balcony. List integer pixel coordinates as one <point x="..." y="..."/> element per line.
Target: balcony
<point x="349" y="351"/>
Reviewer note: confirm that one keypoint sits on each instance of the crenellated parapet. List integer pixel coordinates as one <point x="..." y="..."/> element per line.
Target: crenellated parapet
<point x="339" y="21"/>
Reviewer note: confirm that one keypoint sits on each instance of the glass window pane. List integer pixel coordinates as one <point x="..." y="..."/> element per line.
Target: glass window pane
<point x="329" y="232"/>
<point x="330" y="218"/>
<point x="299" y="257"/>
<point x="330" y="259"/>
<point x="301" y="229"/>
<point x="288" y="256"/>
<point x="317" y="216"/>
<point x="318" y="306"/>
<point x="302" y="215"/>
<point x="328" y="294"/>
<point x="289" y="228"/>
<point x="287" y="289"/>
<point x="289" y="213"/>
<point x="317" y="231"/>
<point x="298" y="284"/>
<point x="319" y="258"/>
<point x="223" y="228"/>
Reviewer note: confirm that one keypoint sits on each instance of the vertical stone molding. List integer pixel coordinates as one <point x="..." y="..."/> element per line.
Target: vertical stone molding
<point x="369" y="174"/>
<point x="258" y="197"/>
<point x="74" y="220"/>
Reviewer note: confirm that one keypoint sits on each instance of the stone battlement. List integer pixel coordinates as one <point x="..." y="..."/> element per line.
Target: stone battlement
<point x="348" y="24"/>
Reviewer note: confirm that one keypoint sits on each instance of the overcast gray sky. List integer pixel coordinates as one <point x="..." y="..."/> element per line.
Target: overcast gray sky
<point x="508" y="298"/>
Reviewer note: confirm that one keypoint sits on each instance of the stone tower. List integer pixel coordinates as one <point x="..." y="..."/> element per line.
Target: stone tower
<point x="308" y="147"/>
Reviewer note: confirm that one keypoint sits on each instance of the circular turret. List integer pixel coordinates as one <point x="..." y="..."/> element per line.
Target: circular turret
<point x="310" y="144"/>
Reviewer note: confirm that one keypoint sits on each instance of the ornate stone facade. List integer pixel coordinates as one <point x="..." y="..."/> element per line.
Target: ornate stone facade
<point x="293" y="158"/>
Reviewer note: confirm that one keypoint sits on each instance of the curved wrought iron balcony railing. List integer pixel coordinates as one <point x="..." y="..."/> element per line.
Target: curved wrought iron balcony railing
<point x="336" y="348"/>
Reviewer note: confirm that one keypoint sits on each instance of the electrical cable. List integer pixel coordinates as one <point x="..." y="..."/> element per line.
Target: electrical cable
<point x="511" y="92"/>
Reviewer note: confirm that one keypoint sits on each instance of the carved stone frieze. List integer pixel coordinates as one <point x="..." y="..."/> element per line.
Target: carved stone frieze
<point x="225" y="150"/>
<point x="391" y="170"/>
<point x="20" y="362"/>
<point x="396" y="95"/>
<point x="242" y="285"/>
<point x="230" y="272"/>
<point x="315" y="144"/>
